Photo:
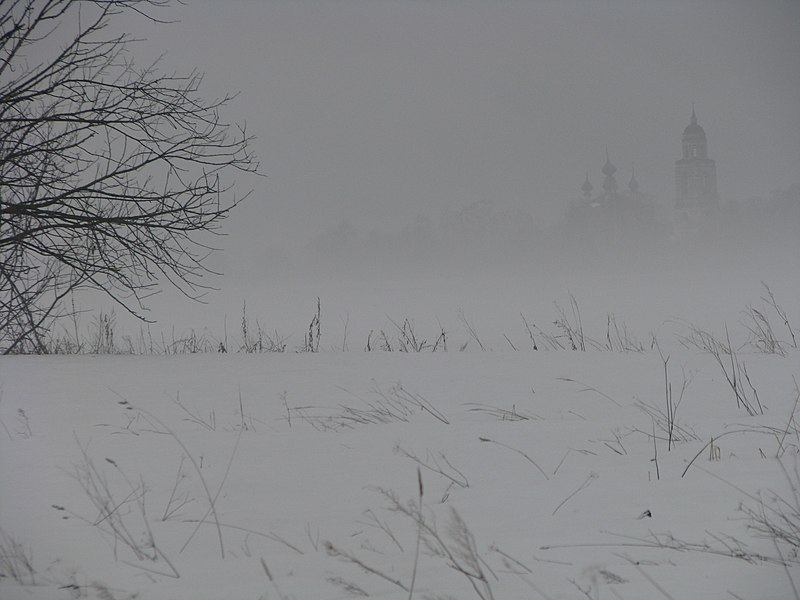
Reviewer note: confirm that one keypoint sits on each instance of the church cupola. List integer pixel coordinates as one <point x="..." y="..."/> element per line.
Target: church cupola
<point x="694" y="140"/>
<point x="587" y="188"/>
<point x="633" y="185"/>
<point x="609" y="184"/>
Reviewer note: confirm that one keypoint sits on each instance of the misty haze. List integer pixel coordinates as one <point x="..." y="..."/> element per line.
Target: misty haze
<point x="400" y="299"/>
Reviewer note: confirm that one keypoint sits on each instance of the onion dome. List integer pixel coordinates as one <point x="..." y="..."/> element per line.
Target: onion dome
<point x="693" y="130"/>
<point x="608" y="168"/>
<point x="587" y="187"/>
<point x="633" y="185"/>
<point x="609" y="184"/>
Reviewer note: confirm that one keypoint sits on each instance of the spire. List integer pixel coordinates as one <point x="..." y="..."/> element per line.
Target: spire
<point x="587" y="187"/>
<point x="608" y="168"/>
<point x="633" y="185"/>
<point x="694" y="116"/>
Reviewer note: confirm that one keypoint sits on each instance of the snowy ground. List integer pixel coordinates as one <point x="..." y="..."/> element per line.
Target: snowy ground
<point x="295" y="475"/>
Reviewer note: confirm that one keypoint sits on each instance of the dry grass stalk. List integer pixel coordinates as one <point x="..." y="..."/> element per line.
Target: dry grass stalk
<point x="16" y="561"/>
<point x="438" y="464"/>
<point x="733" y="368"/>
<point x="115" y="520"/>
<point x="520" y="452"/>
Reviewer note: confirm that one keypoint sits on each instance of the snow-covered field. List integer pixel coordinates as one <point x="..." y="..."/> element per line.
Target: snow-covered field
<point x="628" y="470"/>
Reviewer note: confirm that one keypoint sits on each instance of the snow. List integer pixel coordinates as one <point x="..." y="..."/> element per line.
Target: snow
<point x="546" y="457"/>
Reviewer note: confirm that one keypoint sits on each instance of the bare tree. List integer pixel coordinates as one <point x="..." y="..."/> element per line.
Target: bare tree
<point x="112" y="176"/>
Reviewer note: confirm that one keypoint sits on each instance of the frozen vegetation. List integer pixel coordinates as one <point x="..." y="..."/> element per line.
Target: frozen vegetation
<point x="563" y="453"/>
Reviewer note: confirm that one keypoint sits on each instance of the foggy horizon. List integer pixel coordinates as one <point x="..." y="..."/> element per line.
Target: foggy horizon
<point x="448" y="141"/>
<point x="375" y="113"/>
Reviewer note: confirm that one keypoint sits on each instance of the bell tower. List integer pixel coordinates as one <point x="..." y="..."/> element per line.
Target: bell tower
<point x="695" y="181"/>
<point x="695" y="173"/>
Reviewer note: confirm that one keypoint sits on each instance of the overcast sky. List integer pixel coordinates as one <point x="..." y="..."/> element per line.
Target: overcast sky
<point x="375" y="111"/>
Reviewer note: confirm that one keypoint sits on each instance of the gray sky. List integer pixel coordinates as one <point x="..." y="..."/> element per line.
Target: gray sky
<point x="374" y="111"/>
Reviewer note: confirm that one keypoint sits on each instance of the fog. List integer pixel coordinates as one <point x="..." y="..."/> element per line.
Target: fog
<point x="410" y="144"/>
<point x="503" y="183"/>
